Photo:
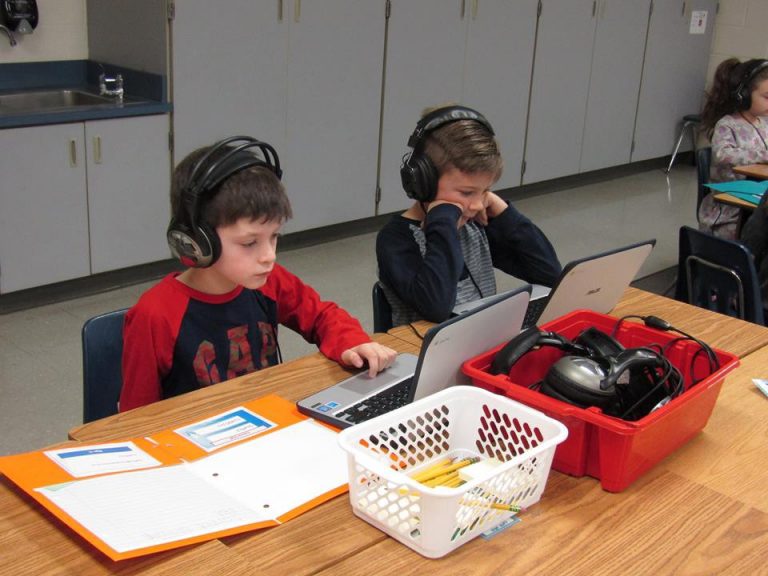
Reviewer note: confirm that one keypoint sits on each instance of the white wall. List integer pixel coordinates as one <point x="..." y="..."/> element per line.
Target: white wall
<point x="741" y="31"/>
<point x="62" y="34"/>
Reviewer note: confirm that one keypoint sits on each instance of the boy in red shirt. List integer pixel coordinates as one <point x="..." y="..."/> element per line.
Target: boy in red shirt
<point x="218" y="319"/>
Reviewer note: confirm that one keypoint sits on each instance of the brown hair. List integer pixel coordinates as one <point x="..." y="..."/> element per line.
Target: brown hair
<point x="721" y="99"/>
<point x="255" y="193"/>
<point x="465" y="145"/>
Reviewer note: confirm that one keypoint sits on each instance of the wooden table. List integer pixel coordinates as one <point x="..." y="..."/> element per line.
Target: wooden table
<point x="731" y="200"/>
<point x="754" y="171"/>
<point x="701" y="510"/>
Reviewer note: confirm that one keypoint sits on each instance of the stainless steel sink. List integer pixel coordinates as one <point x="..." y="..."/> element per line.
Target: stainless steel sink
<point x="48" y="100"/>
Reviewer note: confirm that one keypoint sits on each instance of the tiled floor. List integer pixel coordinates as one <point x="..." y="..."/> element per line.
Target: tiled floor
<point x="40" y="355"/>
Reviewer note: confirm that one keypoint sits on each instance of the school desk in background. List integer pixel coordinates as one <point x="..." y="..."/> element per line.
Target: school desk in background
<point x="171" y="489"/>
<point x="749" y="191"/>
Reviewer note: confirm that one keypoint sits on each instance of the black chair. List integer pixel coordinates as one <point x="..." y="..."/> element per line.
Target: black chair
<point x="102" y="364"/>
<point x="382" y="311"/>
<point x="690" y="123"/>
<point x="719" y="275"/>
<point x="703" y="162"/>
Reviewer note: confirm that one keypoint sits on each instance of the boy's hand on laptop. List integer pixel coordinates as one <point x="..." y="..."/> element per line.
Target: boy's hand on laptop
<point x="377" y="356"/>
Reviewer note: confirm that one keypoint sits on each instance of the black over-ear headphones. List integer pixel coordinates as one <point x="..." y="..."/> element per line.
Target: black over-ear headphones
<point x="191" y="239"/>
<point x="417" y="172"/>
<point x="598" y="371"/>
<point x="743" y="94"/>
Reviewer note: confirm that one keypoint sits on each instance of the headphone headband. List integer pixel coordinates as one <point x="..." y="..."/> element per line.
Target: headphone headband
<point x="442" y="116"/>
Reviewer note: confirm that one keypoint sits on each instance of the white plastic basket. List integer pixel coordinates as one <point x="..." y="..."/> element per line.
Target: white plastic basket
<point x="459" y="421"/>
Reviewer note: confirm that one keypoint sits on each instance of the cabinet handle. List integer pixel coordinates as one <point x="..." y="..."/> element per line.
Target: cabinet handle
<point x="683" y="13"/>
<point x="97" y="149"/>
<point x="279" y="10"/>
<point x="594" y="8"/>
<point x="296" y="10"/>
<point x="474" y="9"/>
<point x="463" y="10"/>
<point x="73" y="153"/>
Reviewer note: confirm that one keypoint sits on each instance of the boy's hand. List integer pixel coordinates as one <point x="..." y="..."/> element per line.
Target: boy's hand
<point x="377" y="356"/>
<point x="494" y="205"/>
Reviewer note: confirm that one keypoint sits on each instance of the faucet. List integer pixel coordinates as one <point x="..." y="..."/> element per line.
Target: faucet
<point x="11" y="39"/>
<point x="111" y="86"/>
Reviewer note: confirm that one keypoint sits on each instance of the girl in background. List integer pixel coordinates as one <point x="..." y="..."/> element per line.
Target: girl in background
<point x="735" y="118"/>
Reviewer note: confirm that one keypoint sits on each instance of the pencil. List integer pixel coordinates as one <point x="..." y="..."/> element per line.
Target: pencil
<point x="435" y="472"/>
<point x="494" y="505"/>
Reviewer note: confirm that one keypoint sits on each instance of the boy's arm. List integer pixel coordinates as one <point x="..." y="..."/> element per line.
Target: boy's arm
<point x="323" y="323"/>
<point x="520" y="248"/>
<point x="148" y="345"/>
<point x="428" y="283"/>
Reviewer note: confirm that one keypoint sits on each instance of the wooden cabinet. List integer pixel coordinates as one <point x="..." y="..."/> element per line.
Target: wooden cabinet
<point x="82" y="198"/>
<point x="304" y="76"/>
<point x="128" y="191"/>
<point x="614" y="84"/>
<point x="474" y="52"/>
<point x="43" y="206"/>
<point x="674" y="74"/>
<point x="559" y="89"/>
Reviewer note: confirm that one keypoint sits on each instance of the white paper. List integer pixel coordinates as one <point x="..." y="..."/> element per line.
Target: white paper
<point x="281" y="471"/>
<point x="252" y="482"/>
<point x="102" y="459"/>
<point x="698" y="22"/>
<point x="140" y="509"/>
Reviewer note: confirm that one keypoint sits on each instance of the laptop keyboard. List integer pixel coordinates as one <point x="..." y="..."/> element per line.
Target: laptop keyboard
<point x="381" y="403"/>
<point x="533" y="312"/>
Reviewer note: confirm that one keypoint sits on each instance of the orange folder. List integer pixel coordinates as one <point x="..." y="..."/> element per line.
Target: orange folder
<point x="33" y="470"/>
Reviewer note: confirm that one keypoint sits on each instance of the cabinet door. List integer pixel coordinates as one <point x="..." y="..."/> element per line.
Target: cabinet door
<point x="674" y="74"/>
<point x="617" y="65"/>
<point x="560" y="88"/>
<point x="128" y="191"/>
<point x="229" y="72"/>
<point x="424" y="61"/>
<point x="43" y="212"/>
<point x="497" y="72"/>
<point x="333" y="106"/>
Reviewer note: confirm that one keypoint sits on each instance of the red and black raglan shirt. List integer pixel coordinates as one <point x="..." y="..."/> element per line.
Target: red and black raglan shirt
<point x="177" y="339"/>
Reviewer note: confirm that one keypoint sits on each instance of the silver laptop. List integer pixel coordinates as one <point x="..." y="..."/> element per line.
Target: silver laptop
<point x="593" y="283"/>
<point x="438" y="366"/>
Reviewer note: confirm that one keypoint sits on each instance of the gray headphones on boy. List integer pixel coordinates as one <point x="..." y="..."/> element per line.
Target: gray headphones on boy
<point x="191" y="239"/>
<point x="743" y="93"/>
<point x="417" y="172"/>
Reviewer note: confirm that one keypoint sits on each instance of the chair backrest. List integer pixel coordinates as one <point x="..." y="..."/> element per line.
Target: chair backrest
<point x="102" y="364"/>
<point x="719" y="275"/>
<point x="703" y="163"/>
<point x="382" y="311"/>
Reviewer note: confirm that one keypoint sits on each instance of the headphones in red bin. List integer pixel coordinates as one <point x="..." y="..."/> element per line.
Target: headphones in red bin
<point x="191" y="239"/>
<point x="597" y="370"/>
<point x="418" y="173"/>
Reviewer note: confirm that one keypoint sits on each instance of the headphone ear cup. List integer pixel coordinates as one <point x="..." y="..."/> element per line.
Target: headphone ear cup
<point x="419" y="177"/>
<point x="195" y="248"/>
<point x="579" y="381"/>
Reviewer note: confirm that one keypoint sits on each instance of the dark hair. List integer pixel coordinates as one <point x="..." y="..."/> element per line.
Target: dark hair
<point x="255" y="193"/>
<point x="466" y="145"/>
<point x="721" y="99"/>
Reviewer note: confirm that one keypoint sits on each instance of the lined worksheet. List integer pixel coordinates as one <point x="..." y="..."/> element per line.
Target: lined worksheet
<point x="253" y="482"/>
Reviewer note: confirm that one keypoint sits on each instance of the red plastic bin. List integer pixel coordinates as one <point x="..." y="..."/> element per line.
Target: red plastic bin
<point x="615" y="451"/>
